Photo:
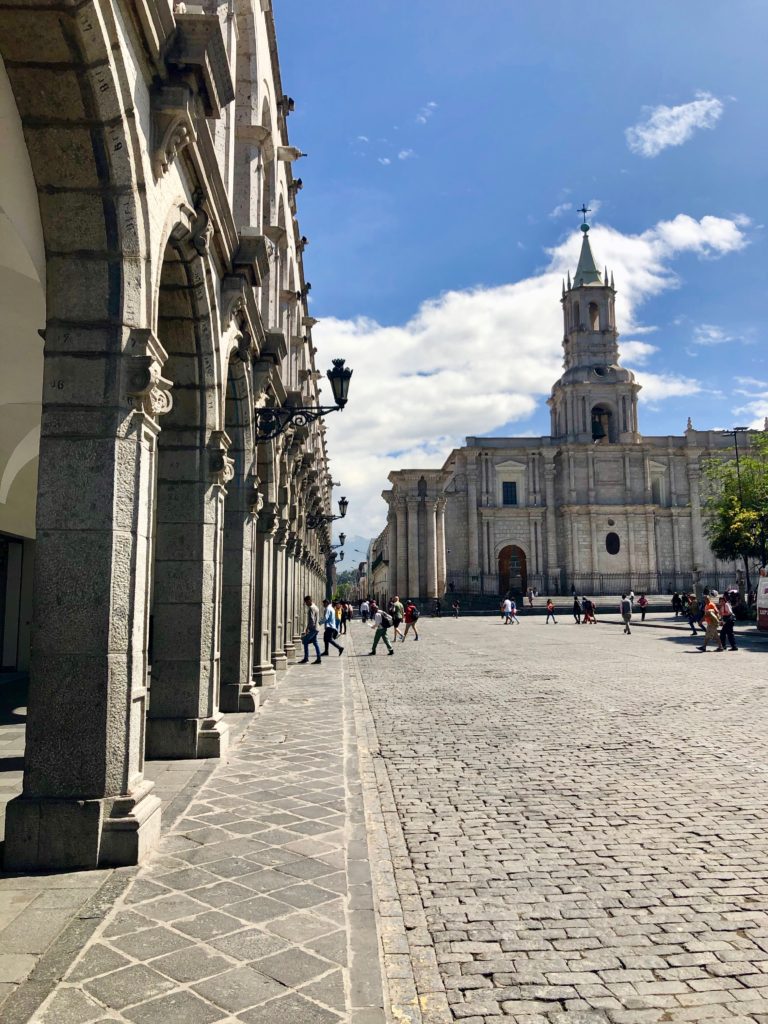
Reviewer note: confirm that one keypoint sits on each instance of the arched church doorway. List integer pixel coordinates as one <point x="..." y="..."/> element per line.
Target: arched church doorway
<point x="513" y="570"/>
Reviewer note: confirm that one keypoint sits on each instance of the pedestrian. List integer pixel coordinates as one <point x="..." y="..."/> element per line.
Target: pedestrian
<point x="513" y="611"/>
<point x="677" y="604"/>
<point x="506" y="610"/>
<point x="642" y="604"/>
<point x="588" y="609"/>
<point x="438" y="609"/>
<point x="330" y="631"/>
<point x="365" y="611"/>
<point x="728" y="620"/>
<point x="550" y="611"/>
<point x="338" y="613"/>
<point x="530" y="597"/>
<point x="309" y="636"/>
<point x="576" y="610"/>
<point x="344" y="617"/>
<point x="411" y="618"/>
<point x="625" y="608"/>
<point x="397" y="612"/>
<point x="711" y="621"/>
<point x="632" y="598"/>
<point x="691" y="612"/>
<point x="455" y="608"/>
<point x="382" y="621"/>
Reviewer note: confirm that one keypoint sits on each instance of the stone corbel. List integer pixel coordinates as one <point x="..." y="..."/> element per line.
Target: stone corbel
<point x="252" y="256"/>
<point x="201" y="231"/>
<point x="148" y="391"/>
<point x="173" y="125"/>
<point x="267" y="521"/>
<point x="221" y="466"/>
<point x="254" y="497"/>
<point x="199" y="48"/>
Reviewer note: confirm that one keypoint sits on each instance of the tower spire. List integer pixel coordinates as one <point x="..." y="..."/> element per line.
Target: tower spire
<point x="586" y="271"/>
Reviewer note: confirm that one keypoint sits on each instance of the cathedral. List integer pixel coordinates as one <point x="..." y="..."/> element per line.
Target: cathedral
<point x="595" y="506"/>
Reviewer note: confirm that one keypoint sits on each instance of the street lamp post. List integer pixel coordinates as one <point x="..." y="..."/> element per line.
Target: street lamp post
<point x="271" y="422"/>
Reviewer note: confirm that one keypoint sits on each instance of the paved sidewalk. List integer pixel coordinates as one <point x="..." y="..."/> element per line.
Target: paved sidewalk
<point x="258" y="906"/>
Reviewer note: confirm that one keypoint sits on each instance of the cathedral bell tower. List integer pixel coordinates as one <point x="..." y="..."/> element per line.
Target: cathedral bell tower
<point x="595" y="400"/>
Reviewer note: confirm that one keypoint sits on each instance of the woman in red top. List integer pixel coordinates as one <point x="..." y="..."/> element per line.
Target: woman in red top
<point x="411" y="617"/>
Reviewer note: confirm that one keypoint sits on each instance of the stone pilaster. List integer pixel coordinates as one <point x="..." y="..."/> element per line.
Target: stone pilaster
<point x="279" y="659"/>
<point x="413" y="548"/>
<point x="431" y="508"/>
<point x="263" y="669"/>
<point x="442" y="570"/>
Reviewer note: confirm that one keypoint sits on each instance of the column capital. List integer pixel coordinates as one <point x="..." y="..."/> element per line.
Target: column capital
<point x="267" y="520"/>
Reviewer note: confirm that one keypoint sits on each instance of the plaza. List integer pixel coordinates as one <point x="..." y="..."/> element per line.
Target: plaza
<point x="538" y="823"/>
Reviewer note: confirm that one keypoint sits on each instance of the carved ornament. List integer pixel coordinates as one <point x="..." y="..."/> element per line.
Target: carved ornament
<point x="173" y="125"/>
<point x="147" y="389"/>
<point x="221" y="466"/>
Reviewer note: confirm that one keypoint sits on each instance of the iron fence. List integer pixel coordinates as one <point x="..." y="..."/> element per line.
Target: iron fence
<point x="592" y="584"/>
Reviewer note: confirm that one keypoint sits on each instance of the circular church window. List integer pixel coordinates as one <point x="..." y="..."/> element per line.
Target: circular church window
<point x="612" y="543"/>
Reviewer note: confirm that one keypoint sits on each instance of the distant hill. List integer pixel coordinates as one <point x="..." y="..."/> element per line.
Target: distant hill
<point x="355" y="551"/>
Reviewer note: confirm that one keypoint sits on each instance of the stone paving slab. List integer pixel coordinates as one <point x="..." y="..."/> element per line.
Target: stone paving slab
<point x="575" y="824"/>
<point x="259" y="899"/>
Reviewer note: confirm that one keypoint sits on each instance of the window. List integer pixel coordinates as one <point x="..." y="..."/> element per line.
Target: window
<point x="612" y="543"/>
<point x="594" y="317"/>
<point x="509" y="493"/>
<point x="658" y="489"/>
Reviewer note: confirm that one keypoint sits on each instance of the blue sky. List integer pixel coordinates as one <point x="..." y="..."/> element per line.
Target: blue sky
<point x="492" y="116"/>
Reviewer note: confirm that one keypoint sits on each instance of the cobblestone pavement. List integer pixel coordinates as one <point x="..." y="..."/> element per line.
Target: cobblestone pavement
<point x="258" y="907"/>
<point x="577" y="824"/>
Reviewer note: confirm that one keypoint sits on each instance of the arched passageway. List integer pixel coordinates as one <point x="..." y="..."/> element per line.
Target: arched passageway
<point x="513" y="570"/>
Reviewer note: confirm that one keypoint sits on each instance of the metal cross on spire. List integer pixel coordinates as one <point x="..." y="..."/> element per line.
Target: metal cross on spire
<point x="584" y="210"/>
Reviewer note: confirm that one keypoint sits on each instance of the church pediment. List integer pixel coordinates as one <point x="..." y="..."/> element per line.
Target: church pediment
<point x="511" y="465"/>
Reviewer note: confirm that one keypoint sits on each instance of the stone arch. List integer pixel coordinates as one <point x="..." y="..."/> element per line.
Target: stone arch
<point x="192" y="469"/>
<point x="87" y="688"/>
<point x="513" y="570"/>
<point x="603" y="423"/>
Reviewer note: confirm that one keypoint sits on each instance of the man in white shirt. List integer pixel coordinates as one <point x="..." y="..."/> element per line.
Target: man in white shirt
<point x="506" y="610"/>
<point x="309" y="636"/>
<point x="365" y="611"/>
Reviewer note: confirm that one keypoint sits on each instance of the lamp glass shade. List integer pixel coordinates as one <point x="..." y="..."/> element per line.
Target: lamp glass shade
<point x="343" y="506"/>
<point x="342" y="538"/>
<point x="339" y="378"/>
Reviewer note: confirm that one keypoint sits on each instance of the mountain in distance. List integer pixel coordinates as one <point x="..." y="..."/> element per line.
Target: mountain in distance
<point x="355" y="552"/>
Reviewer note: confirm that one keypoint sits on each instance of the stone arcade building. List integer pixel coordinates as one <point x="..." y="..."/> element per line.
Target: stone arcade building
<point x="148" y="235"/>
<point x="595" y="505"/>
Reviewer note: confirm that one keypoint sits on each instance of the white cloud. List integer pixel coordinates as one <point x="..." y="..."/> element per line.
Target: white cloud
<point x="363" y="138"/>
<point x="405" y="154"/>
<point x="559" y="210"/>
<point x="711" y="334"/>
<point x="473" y="361"/>
<point x="384" y="160"/>
<point x="426" y="112"/>
<point x="672" y="126"/>
<point x="755" y="411"/>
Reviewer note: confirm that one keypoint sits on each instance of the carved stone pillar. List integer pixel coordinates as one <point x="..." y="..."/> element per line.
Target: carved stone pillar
<point x="263" y="669"/>
<point x="184" y="720"/>
<point x="85" y="802"/>
<point x="394" y="583"/>
<point x="242" y="506"/>
<point x="279" y="659"/>
<point x="401" y="573"/>
<point x="697" y="527"/>
<point x="413" y="548"/>
<point x="473" y="535"/>
<point x="551" y="520"/>
<point x="431" y="508"/>
<point x="290" y="597"/>
<point x="442" y="571"/>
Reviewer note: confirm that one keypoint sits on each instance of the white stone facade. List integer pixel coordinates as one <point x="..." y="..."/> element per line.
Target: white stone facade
<point x="595" y="505"/>
<point x="153" y="306"/>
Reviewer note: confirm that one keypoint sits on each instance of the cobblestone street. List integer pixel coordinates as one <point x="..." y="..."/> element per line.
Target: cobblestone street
<point x="580" y="826"/>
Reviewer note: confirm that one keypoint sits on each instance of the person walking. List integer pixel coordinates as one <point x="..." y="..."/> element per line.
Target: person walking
<point x="330" y="630"/>
<point x="382" y="621"/>
<point x="728" y="619"/>
<point x="398" y="612"/>
<point x="411" y="618"/>
<point x="642" y="604"/>
<point x="309" y="636"/>
<point x="711" y="620"/>
<point x="438" y="609"/>
<point x="344" y="617"/>
<point x="625" y="608"/>
<point x="506" y="610"/>
<point x="513" y="611"/>
<point x="530" y="597"/>
<point x="365" y="611"/>
<point x="677" y="604"/>
<point x="550" y="611"/>
<point x="576" y="610"/>
<point x="588" y="608"/>
<point x="455" y="609"/>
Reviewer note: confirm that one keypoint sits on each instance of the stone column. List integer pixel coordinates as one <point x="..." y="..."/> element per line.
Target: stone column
<point x="401" y="574"/>
<point x="237" y="600"/>
<point x="85" y="802"/>
<point x="697" y="527"/>
<point x="279" y="659"/>
<point x="442" y="571"/>
<point x="413" y="548"/>
<point x="473" y="538"/>
<point x="184" y="720"/>
<point x="290" y="646"/>
<point x="431" y="508"/>
<point x="263" y="669"/>
<point x="549" y="498"/>
<point x="394" y="582"/>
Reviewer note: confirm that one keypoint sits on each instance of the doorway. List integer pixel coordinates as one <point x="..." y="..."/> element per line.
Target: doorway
<point x="513" y="570"/>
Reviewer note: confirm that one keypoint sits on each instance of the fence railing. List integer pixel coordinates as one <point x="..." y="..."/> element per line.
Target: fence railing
<point x="592" y="584"/>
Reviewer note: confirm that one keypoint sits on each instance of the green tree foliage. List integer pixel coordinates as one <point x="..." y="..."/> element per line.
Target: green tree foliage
<point x="738" y="503"/>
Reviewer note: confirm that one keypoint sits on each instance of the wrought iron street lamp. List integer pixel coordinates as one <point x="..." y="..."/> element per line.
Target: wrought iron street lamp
<point x="314" y="521"/>
<point x="270" y="423"/>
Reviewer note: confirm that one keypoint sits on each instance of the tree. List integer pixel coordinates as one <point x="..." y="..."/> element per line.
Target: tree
<point x="738" y="504"/>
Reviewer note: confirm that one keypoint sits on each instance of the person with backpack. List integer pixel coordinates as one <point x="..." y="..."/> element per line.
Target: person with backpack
<point x="625" y="607"/>
<point x="550" y="611"/>
<point x="382" y="621"/>
<point x="411" y="618"/>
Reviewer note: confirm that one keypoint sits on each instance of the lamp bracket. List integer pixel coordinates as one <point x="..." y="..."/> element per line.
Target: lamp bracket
<point x="270" y="423"/>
